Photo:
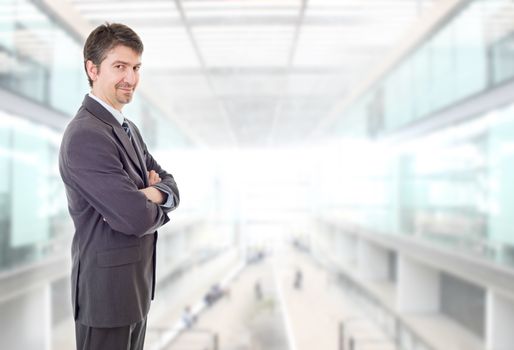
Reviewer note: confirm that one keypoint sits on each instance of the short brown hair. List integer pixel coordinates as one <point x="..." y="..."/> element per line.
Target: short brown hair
<point x="104" y="38"/>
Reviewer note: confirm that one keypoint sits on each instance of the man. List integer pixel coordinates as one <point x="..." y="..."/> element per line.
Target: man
<point x="118" y="196"/>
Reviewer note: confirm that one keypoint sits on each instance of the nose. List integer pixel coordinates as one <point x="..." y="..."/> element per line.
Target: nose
<point x="131" y="77"/>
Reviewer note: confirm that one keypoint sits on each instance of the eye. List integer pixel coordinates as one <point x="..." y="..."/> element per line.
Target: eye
<point x="137" y="68"/>
<point x="118" y="66"/>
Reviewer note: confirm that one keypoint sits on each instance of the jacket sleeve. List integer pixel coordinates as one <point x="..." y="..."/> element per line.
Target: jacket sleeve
<point x="95" y="169"/>
<point x="167" y="180"/>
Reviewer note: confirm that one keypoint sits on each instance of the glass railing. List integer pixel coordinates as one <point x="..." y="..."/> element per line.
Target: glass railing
<point x="452" y="188"/>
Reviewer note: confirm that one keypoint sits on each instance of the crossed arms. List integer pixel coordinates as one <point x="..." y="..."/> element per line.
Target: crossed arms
<point x="93" y="168"/>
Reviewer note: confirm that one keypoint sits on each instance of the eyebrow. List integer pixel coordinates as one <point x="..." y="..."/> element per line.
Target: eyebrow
<point x="125" y="63"/>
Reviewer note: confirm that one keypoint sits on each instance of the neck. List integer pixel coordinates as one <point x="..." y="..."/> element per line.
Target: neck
<point x="106" y="100"/>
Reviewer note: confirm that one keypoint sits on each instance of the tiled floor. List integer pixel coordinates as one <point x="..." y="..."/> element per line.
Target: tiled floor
<point x="285" y="317"/>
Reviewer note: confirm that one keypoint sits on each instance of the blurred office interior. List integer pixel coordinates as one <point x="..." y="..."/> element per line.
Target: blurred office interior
<point x="346" y="169"/>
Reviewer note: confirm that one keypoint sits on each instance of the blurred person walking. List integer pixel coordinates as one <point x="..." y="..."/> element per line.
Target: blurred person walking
<point x="118" y="196"/>
<point x="257" y="290"/>
<point x="298" y="279"/>
<point x="188" y="318"/>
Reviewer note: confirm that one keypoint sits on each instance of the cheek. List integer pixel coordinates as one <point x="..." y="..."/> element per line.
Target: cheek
<point x="117" y="81"/>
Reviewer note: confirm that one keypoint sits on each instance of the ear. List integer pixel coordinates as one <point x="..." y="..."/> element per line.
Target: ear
<point x="92" y="70"/>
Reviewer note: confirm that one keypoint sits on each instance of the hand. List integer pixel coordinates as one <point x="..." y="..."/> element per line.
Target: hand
<point x="153" y="177"/>
<point x="153" y="194"/>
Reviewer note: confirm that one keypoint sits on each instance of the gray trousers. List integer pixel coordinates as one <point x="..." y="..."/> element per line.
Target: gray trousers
<point x="131" y="337"/>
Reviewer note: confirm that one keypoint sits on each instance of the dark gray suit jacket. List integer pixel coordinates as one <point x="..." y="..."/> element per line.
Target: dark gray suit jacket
<point x="113" y="249"/>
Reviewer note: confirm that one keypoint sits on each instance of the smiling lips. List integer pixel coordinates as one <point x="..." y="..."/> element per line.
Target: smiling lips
<point x="125" y="88"/>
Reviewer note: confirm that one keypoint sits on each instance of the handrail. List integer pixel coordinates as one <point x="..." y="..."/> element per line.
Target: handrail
<point x="400" y="327"/>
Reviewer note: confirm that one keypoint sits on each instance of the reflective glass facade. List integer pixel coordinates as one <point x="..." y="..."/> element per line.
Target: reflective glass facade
<point x="34" y="218"/>
<point x="451" y="187"/>
<point x="39" y="59"/>
<point x="470" y="54"/>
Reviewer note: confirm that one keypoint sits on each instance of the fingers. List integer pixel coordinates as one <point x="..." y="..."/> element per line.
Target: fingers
<point x="153" y="177"/>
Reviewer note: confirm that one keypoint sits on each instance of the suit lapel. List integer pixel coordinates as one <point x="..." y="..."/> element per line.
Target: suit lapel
<point x="104" y="115"/>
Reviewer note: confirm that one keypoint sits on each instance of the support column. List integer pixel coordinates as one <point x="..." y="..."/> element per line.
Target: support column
<point x="418" y="287"/>
<point x="25" y="321"/>
<point x="372" y="260"/>
<point x="348" y="249"/>
<point x="500" y="318"/>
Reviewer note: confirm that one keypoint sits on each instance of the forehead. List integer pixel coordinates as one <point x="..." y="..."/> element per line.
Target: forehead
<point x="123" y="53"/>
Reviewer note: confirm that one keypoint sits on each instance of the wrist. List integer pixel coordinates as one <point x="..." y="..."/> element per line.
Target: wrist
<point x="157" y="195"/>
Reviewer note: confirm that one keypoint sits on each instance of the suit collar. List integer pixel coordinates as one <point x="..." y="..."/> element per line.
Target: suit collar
<point x="116" y="113"/>
<point x="99" y="111"/>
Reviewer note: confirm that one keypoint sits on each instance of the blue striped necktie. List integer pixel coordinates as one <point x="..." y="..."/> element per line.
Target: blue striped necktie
<point x="127" y="128"/>
<point x="134" y="143"/>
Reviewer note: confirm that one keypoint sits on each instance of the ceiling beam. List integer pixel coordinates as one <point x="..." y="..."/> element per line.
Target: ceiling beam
<point x="294" y="45"/>
<point x="246" y="21"/>
<point x="245" y="71"/>
<point x="221" y="107"/>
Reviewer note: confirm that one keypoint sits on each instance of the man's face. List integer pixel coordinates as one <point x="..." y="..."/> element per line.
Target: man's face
<point x="115" y="80"/>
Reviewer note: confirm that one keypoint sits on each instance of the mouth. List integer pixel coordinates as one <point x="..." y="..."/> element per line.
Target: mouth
<point x="125" y="87"/>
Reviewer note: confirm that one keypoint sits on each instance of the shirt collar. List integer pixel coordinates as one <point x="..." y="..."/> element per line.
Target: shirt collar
<point x="117" y="114"/>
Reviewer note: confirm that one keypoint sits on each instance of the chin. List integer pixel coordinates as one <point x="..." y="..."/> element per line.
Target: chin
<point x="124" y="99"/>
